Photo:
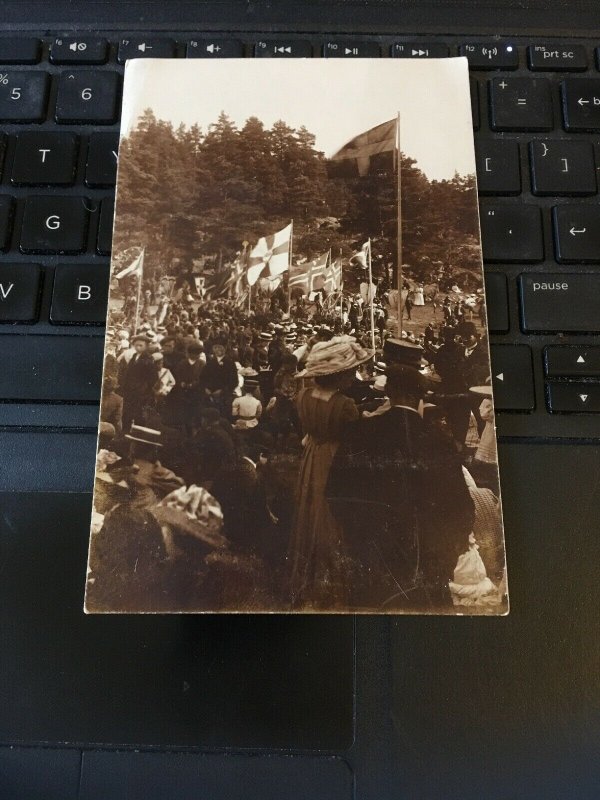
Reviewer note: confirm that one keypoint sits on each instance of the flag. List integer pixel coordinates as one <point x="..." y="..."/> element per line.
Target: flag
<point x="270" y="256"/>
<point x="135" y="268"/>
<point x="380" y="139"/>
<point x="306" y="276"/>
<point x="362" y="255"/>
<point x="236" y="280"/>
<point x="333" y="278"/>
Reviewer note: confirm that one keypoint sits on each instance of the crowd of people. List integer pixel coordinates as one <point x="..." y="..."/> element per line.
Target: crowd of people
<point x="331" y="477"/>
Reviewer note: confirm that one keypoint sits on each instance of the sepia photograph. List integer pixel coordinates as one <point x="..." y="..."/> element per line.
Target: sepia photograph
<point x="297" y="413"/>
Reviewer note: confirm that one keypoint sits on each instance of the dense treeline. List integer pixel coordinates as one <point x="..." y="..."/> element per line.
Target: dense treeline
<point x="198" y="195"/>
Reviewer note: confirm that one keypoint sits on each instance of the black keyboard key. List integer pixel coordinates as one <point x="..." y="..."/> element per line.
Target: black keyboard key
<point x="512" y="377"/>
<point x="6" y="213"/>
<point x="145" y="48"/>
<point x="557" y="58"/>
<point x="572" y="361"/>
<point x="350" y="49"/>
<point x="560" y="302"/>
<point x="80" y="50"/>
<point x="574" y="397"/>
<point x="581" y="104"/>
<point x="490" y="55"/>
<point x="101" y="166"/>
<point x="282" y="48"/>
<point x="88" y="97"/>
<point x="520" y="104"/>
<point x="214" y="48"/>
<point x="560" y="167"/>
<point x="54" y="224"/>
<point x="498" y="167"/>
<point x="419" y="50"/>
<point x="55" y="368"/>
<point x="105" y="226"/>
<point x="80" y="294"/>
<point x="43" y="158"/>
<point x="2" y="151"/>
<point x="23" y="96"/>
<point x="577" y="233"/>
<point x="19" y="292"/>
<point x="474" y="89"/>
<point x="19" y="50"/>
<point x="512" y="233"/>
<point x="496" y="296"/>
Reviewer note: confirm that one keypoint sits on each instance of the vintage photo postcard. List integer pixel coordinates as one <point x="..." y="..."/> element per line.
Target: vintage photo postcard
<point x="297" y="413"/>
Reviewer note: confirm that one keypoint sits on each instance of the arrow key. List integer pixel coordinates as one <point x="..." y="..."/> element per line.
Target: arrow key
<point x="512" y="377"/>
<point x="577" y="233"/>
<point x="564" y="360"/>
<point x="573" y="397"/>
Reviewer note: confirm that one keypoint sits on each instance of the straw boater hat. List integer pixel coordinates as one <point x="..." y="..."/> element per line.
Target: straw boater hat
<point x="337" y="355"/>
<point x="485" y="391"/>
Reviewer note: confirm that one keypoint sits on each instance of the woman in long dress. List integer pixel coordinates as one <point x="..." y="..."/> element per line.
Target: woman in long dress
<point x="316" y="552"/>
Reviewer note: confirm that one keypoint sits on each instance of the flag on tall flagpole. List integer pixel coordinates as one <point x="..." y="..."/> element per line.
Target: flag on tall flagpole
<point x="306" y="274"/>
<point x="270" y="255"/>
<point x="135" y="268"/>
<point x="362" y="255"/>
<point x="380" y="139"/>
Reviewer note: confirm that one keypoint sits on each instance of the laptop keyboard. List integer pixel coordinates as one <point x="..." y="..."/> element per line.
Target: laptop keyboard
<point x="536" y="116"/>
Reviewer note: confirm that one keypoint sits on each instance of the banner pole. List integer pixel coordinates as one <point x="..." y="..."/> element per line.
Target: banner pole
<point x="370" y="295"/>
<point x="290" y="268"/>
<point x="139" y="294"/>
<point x="399" y="235"/>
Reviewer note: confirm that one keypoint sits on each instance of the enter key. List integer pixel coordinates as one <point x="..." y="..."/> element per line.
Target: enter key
<point x="577" y="233"/>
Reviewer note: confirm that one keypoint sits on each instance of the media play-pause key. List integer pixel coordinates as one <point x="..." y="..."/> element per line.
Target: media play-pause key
<point x="512" y="377"/>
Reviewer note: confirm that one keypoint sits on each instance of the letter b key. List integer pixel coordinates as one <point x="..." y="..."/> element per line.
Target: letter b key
<point x="79" y="295"/>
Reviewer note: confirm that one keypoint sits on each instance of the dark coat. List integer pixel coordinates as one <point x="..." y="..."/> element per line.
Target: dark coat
<point x="396" y="485"/>
<point x="220" y="375"/>
<point x="139" y="378"/>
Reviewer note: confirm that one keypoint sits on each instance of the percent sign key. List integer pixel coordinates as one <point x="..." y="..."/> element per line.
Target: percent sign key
<point x="23" y="96"/>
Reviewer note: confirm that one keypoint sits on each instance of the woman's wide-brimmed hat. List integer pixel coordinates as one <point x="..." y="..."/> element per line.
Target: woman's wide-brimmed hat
<point x="337" y="355"/>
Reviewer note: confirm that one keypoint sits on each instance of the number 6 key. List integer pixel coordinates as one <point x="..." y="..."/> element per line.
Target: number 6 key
<point x="88" y="97"/>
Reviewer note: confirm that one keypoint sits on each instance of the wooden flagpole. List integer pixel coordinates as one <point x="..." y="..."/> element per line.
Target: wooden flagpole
<point x="290" y="269"/>
<point x="370" y="296"/>
<point x="399" y="235"/>
<point x="139" y="294"/>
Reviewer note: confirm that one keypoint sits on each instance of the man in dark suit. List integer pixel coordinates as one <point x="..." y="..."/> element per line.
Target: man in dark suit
<point x="220" y="379"/>
<point x="397" y="487"/>
<point x="137" y="387"/>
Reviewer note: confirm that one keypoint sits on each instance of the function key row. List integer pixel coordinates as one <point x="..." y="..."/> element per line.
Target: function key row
<point x="492" y="55"/>
<point x="50" y="158"/>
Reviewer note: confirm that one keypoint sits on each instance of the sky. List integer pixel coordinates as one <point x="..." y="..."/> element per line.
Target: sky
<point x="335" y="99"/>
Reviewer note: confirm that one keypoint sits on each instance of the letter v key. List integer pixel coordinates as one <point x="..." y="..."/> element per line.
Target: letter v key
<point x="5" y="292"/>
